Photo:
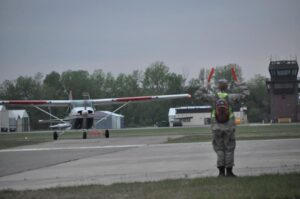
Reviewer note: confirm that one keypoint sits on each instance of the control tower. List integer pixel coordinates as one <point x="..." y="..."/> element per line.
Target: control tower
<point x="284" y="88"/>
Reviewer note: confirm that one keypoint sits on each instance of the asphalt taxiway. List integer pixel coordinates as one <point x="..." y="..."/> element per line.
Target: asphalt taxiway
<point x="130" y="159"/>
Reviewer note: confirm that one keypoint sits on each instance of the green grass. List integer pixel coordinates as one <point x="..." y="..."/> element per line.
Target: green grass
<point x="265" y="186"/>
<point x="21" y="139"/>
<point x="192" y="134"/>
<point x="248" y="133"/>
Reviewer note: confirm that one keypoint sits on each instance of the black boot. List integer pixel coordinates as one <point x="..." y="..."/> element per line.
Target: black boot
<point x="229" y="172"/>
<point x="221" y="171"/>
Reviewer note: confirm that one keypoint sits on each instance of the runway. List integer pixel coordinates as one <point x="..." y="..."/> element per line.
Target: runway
<point x="130" y="159"/>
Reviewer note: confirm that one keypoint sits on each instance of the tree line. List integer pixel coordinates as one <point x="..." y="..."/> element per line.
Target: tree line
<point x="157" y="79"/>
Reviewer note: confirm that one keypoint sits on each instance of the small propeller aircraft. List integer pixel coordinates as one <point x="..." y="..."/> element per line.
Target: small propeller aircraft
<point x="81" y="116"/>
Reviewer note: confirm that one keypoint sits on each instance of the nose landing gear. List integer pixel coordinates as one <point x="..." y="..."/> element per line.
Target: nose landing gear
<point x="55" y="135"/>
<point x="84" y="135"/>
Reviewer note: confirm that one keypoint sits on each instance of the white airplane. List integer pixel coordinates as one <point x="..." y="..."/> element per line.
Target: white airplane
<point x="81" y="116"/>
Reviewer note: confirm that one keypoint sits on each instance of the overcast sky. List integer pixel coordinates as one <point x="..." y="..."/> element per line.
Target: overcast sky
<point x="125" y="35"/>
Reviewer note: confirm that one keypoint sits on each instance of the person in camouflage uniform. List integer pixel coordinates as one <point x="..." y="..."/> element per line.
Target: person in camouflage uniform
<point x="223" y="133"/>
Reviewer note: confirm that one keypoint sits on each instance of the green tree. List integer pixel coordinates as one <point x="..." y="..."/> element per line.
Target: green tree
<point x="258" y="101"/>
<point x="28" y="87"/>
<point x="156" y="78"/>
<point x="126" y="85"/>
<point x="98" y="84"/>
<point x="191" y="88"/>
<point x="156" y="82"/>
<point x="175" y="83"/>
<point x="130" y="85"/>
<point x="53" y="88"/>
<point x="109" y="86"/>
<point x="76" y="81"/>
<point x="8" y="90"/>
<point x="24" y="88"/>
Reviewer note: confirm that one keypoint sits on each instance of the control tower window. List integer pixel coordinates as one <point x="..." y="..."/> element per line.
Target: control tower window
<point x="273" y="72"/>
<point x="294" y="72"/>
<point x="283" y="86"/>
<point x="283" y="72"/>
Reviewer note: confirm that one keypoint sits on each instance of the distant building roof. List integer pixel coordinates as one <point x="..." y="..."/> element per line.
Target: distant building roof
<point x="18" y="114"/>
<point x="2" y="108"/>
<point x="282" y="64"/>
<point x="189" y="109"/>
<point x="193" y="107"/>
<point x="109" y="113"/>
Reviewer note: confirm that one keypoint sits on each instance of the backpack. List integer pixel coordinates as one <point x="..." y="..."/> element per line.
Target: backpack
<point x="222" y="112"/>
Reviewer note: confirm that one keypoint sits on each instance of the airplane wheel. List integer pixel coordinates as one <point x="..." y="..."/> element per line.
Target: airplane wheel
<point x="55" y="135"/>
<point x="84" y="135"/>
<point x="106" y="133"/>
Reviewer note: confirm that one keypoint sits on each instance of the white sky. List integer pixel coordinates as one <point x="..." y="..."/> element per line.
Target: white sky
<point x="124" y="35"/>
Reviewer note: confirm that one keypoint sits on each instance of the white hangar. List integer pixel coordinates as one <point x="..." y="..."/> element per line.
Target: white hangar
<point x="200" y="115"/>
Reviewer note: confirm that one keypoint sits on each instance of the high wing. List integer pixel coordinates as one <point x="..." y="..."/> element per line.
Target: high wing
<point x="54" y="103"/>
<point x="104" y="101"/>
<point x="138" y="99"/>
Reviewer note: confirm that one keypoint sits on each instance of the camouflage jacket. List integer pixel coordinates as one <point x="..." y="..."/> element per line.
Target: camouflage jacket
<point x="240" y="93"/>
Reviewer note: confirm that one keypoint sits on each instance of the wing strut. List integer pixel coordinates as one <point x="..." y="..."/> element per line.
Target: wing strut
<point x="48" y="113"/>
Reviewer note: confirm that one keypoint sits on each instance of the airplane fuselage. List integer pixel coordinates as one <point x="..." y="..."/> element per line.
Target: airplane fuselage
<point x="81" y="115"/>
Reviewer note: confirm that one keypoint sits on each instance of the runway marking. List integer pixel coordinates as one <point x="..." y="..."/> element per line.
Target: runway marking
<point x="73" y="148"/>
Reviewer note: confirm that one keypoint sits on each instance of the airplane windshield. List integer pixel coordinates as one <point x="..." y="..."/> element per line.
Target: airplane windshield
<point x="82" y="103"/>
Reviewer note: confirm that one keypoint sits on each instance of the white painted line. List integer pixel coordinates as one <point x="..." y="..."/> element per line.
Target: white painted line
<point x="72" y="148"/>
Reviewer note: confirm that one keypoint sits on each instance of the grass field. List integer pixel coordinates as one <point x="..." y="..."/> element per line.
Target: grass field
<point x="249" y="133"/>
<point x="188" y="134"/>
<point x="266" y="186"/>
<point x="192" y="134"/>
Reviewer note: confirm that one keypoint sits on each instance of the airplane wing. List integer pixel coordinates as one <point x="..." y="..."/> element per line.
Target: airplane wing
<point x="138" y="99"/>
<point x="47" y="103"/>
<point x="105" y="101"/>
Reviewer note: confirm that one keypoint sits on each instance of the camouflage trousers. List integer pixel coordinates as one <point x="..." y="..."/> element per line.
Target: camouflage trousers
<point x="224" y="145"/>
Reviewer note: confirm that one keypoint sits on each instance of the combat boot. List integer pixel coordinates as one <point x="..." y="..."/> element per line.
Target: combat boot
<point x="229" y="172"/>
<point x="221" y="171"/>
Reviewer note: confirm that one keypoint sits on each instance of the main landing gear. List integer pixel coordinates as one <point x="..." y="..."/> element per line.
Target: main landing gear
<point x="84" y="134"/>
<point x="55" y="135"/>
<point x="106" y="133"/>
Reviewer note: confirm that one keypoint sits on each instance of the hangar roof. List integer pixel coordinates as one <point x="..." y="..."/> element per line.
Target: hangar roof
<point x="2" y="108"/>
<point x="189" y="109"/>
<point x="108" y="113"/>
<point x="18" y="114"/>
